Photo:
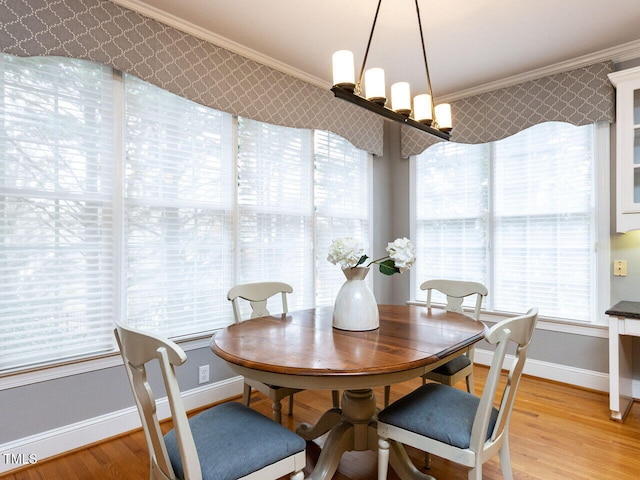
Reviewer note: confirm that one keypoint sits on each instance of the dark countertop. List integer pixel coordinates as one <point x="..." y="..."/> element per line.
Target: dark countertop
<point x="625" y="309"/>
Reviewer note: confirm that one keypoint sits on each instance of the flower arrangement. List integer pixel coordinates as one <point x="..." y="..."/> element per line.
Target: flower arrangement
<point x="349" y="253"/>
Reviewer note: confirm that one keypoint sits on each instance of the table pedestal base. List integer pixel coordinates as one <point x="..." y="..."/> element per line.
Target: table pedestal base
<point x="353" y="428"/>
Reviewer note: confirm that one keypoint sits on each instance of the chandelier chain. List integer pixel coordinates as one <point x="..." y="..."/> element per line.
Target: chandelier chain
<point x="366" y="52"/>
<point x="426" y="65"/>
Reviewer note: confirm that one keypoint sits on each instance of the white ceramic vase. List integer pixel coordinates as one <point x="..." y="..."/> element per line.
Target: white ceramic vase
<point x="355" y="308"/>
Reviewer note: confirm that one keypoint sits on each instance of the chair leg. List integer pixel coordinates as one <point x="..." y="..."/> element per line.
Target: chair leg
<point x="383" y="458"/>
<point x="276" y="411"/>
<point x="335" y="395"/>
<point x="246" y="395"/>
<point x="297" y="476"/>
<point x="291" y="404"/>
<point x="475" y="473"/>
<point x="427" y="460"/>
<point x="505" y="460"/>
<point x="387" y="394"/>
<point x="470" y="387"/>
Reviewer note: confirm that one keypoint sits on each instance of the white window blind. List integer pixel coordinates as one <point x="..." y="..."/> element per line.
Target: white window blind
<point x="516" y="215"/>
<point x="451" y="210"/>
<point x="275" y="202"/>
<point x="156" y="230"/>
<point x="342" y="205"/>
<point x="178" y="191"/>
<point x="544" y="221"/>
<point x="56" y="220"/>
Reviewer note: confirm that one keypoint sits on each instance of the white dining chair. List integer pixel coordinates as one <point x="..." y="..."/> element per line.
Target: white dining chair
<point x="228" y="441"/>
<point x="460" y="367"/>
<point x="456" y="291"/>
<point x="258" y="294"/>
<point x="457" y="425"/>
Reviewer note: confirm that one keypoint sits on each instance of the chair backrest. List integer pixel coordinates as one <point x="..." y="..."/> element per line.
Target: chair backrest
<point x="456" y="291"/>
<point x="518" y="330"/>
<point x="138" y="349"/>
<point x="257" y="294"/>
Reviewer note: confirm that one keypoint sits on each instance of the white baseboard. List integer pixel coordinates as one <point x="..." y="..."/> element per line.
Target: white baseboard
<point x="560" y="373"/>
<point x="553" y="371"/>
<point x="54" y="442"/>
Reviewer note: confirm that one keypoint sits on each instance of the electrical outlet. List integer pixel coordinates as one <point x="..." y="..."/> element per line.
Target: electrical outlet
<point x="620" y="268"/>
<point x="203" y="374"/>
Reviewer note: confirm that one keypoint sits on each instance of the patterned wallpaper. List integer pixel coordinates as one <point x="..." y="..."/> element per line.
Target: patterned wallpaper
<point x="107" y="33"/>
<point x="580" y="97"/>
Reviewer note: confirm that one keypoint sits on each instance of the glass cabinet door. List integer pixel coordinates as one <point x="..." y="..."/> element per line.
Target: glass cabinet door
<point x="627" y="83"/>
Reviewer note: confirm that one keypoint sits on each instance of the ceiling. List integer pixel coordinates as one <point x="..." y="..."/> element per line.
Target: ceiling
<point x="470" y="43"/>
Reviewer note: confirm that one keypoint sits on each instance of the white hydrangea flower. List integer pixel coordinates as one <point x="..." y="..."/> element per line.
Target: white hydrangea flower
<point x="345" y="251"/>
<point x="402" y="252"/>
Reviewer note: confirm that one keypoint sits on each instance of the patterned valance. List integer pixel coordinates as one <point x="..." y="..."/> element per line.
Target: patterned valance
<point x="104" y="32"/>
<point x="580" y="97"/>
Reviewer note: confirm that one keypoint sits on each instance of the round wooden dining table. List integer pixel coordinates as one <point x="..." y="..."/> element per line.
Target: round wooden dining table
<point x="302" y="349"/>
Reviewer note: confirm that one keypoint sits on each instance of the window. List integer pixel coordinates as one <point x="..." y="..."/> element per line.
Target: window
<point x="275" y="208"/>
<point x="517" y="215"/>
<point x="342" y="203"/>
<point x="121" y="200"/>
<point x="56" y="211"/>
<point x="297" y="191"/>
<point x="178" y="217"/>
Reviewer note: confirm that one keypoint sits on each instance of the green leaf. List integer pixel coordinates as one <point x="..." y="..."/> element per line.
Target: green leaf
<point x="363" y="259"/>
<point x="388" y="267"/>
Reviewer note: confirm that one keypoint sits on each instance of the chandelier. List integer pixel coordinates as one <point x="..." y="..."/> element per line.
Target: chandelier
<point x="428" y="117"/>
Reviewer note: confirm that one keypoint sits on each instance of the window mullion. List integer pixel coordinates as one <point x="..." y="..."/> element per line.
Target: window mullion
<point x="118" y="196"/>
<point x="490" y="281"/>
<point x="235" y="208"/>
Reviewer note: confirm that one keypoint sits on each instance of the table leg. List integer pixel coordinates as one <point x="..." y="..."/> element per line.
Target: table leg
<point x="351" y="428"/>
<point x="402" y="464"/>
<point x="328" y="420"/>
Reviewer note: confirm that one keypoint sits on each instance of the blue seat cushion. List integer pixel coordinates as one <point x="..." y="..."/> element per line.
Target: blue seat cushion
<point x="437" y="411"/>
<point x="453" y="366"/>
<point x="233" y="441"/>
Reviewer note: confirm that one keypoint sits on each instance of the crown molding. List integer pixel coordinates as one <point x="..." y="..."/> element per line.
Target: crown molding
<point x="620" y="53"/>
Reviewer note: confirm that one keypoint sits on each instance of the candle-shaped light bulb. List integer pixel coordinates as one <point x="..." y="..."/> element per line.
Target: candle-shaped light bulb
<point x="343" y="73"/>
<point x="374" y="85"/>
<point x="422" y="109"/>
<point x="443" y="117"/>
<point x="401" y="98"/>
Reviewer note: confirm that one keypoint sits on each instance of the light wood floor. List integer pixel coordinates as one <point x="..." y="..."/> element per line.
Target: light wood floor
<point x="557" y="432"/>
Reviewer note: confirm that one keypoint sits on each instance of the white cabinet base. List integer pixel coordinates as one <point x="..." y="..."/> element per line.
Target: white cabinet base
<point x="622" y="329"/>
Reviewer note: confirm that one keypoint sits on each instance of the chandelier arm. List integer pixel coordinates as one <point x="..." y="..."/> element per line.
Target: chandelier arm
<point x="426" y="66"/>
<point x="366" y="53"/>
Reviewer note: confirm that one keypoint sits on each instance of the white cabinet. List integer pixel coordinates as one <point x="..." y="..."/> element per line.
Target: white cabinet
<point x="627" y="83"/>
